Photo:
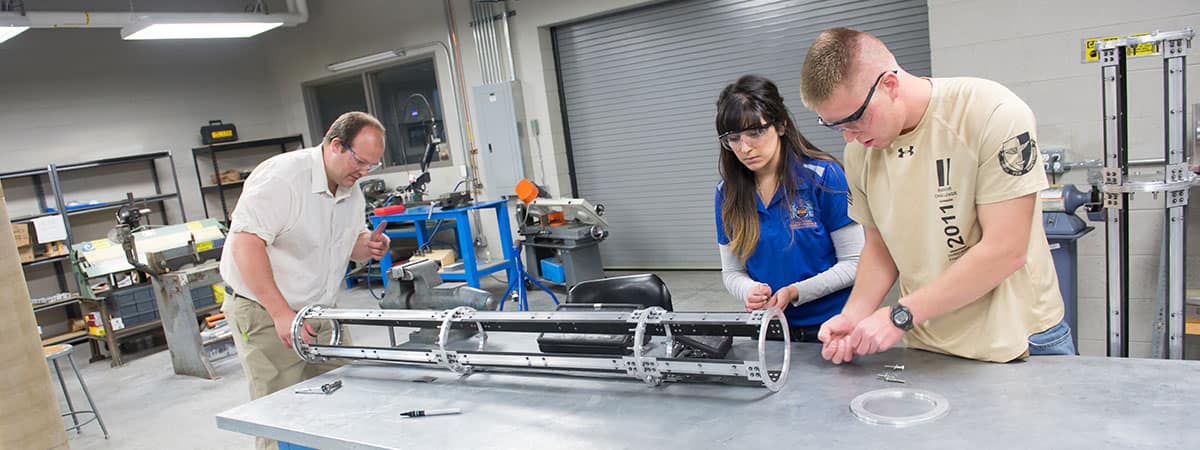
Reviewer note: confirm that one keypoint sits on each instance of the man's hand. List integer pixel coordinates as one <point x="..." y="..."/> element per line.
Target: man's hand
<point x="875" y="334"/>
<point x="758" y="297"/>
<point x="283" y="328"/>
<point x="782" y="298"/>
<point x="835" y="334"/>
<point x="379" y="243"/>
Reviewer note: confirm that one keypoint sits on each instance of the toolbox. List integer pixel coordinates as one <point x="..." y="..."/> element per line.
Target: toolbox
<point x="217" y="131"/>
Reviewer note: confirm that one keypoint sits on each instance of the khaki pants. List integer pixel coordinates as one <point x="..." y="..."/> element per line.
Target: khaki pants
<point x="269" y="365"/>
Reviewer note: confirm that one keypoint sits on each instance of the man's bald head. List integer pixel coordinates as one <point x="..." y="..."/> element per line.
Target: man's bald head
<point x="842" y="58"/>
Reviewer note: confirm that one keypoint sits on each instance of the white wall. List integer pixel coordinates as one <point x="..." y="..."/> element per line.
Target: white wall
<point x="1035" y="49"/>
<point x="76" y="95"/>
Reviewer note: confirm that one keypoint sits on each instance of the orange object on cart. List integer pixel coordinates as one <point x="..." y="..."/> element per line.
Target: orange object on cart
<point x="389" y="210"/>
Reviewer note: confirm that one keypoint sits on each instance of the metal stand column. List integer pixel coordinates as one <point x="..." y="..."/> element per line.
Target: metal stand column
<point x="1119" y="189"/>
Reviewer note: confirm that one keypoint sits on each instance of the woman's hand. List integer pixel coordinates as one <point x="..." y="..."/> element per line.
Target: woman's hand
<point x="758" y="297"/>
<point x="782" y="298"/>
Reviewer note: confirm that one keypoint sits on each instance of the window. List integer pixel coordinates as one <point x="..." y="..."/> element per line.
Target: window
<point x="404" y="97"/>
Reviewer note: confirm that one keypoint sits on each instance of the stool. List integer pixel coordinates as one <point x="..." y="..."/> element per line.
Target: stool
<point x="55" y="352"/>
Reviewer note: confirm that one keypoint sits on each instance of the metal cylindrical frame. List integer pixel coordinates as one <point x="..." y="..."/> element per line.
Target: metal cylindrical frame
<point x="1117" y="190"/>
<point x="645" y="322"/>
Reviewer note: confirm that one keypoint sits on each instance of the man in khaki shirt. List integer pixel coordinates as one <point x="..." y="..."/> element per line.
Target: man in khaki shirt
<point x="943" y="176"/>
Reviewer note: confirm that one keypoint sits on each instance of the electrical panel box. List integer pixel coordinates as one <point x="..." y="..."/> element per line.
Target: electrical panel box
<point x="503" y="143"/>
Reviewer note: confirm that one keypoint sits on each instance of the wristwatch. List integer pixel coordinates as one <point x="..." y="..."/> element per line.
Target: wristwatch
<point x="902" y="317"/>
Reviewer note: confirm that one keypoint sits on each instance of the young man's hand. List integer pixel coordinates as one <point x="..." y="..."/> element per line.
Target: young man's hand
<point x="834" y="334"/>
<point x="875" y="334"/>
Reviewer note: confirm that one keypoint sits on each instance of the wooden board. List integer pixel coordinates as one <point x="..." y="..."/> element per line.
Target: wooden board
<point x="29" y="415"/>
<point x="1192" y="327"/>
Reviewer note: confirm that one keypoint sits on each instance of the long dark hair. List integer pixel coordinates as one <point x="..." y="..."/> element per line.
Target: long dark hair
<point x="745" y="104"/>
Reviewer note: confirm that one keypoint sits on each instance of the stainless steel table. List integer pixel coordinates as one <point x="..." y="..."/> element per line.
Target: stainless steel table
<point x="1046" y="402"/>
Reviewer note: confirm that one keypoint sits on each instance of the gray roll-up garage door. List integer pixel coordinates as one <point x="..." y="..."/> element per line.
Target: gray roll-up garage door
<point x="639" y="92"/>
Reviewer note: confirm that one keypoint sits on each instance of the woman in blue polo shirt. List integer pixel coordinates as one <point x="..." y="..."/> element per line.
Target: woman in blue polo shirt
<point x="786" y="240"/>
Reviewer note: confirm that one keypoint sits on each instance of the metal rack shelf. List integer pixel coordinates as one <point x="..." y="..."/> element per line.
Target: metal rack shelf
<point x="67" y="338"/>
<point x="117" y="204"/>
<point x="38" y="262"/>
<point x="223" y="186"/>
<point x="70" y="301"/>
<point x="209" y="152"/>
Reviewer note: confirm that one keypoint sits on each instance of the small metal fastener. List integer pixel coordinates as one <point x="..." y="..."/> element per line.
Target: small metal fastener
<point x="896" y="367"/>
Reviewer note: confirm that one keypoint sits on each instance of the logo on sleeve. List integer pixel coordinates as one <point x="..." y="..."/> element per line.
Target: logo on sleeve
<point x="1018" y="155"/>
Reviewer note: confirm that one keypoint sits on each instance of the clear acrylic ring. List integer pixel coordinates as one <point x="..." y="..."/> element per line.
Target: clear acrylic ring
<point x="899" y="407"/>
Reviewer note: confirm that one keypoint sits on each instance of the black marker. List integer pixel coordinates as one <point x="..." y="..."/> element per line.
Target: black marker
<point x="431" y="412"/>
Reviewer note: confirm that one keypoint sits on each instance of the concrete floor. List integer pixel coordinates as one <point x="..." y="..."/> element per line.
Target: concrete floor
<point x="146" y="406"/>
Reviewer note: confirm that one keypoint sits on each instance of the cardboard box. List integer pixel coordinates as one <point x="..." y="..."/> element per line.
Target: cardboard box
<point x="25" y="253"/>
<point x="21" y="233"/>
<point x="226" y="176"/>
<point x="56" y="248"/>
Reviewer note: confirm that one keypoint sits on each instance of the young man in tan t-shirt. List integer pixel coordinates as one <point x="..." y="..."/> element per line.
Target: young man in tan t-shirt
<point x="943" y="176"/>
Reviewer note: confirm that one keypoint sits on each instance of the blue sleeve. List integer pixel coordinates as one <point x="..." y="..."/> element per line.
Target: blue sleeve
<point x="833" y="198"/>
<point x="718" y="196"/>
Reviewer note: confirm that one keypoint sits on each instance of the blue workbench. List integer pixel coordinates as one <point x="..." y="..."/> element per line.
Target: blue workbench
<point x="470" y="272"/>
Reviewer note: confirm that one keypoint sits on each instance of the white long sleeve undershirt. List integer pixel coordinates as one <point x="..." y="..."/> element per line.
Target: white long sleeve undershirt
<point x="847" y="244"/>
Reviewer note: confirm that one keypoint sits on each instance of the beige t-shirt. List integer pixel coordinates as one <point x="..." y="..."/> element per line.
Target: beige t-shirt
<point x="976" y="144"/>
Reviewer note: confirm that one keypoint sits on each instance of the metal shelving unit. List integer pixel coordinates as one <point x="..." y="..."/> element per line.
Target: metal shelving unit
<point x="210" y="152"/>
<point x="53" y="174"/>
<point x="160" y="197"/>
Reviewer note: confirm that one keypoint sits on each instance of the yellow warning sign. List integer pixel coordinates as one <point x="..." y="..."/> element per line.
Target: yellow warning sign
<point x="1090" y="54"/>
<point x="1141" y="49"/>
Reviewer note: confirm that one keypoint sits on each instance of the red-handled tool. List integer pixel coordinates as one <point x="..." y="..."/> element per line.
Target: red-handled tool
<point x="389" y="210"/>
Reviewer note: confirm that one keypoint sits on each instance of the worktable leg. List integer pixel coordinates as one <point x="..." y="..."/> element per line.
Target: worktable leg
<point x="466" y="244"/>
<point x="506" y="243"/>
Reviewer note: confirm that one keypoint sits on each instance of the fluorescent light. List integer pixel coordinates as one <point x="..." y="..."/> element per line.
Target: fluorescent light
<point x="214" y="30"/>
<point x="11" y="26"/>
<point x="366" y="60"/>
<point x="10" y="32"/>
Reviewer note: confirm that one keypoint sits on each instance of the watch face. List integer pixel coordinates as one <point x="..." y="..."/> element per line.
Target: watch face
<point x="901" y="317"/>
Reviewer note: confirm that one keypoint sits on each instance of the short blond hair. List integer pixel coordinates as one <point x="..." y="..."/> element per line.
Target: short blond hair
<point x="828" y="64"/>
<point x="840" y="57"/>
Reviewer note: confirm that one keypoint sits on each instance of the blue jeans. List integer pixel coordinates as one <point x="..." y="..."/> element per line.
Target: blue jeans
<point x="1055" y="341"/>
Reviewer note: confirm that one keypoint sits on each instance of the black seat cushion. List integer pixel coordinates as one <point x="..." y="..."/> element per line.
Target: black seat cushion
<point x="642" y="289"/>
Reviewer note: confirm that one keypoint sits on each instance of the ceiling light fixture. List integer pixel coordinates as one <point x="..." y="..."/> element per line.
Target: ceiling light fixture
<point x="196" y="30"/>
<point x="11" y="26"/>
<point x="366" y="60"/>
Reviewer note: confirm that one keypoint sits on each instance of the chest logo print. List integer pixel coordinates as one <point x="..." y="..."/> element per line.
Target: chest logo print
<point x="902" y="152"/>
<point x="802" y="215"/>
